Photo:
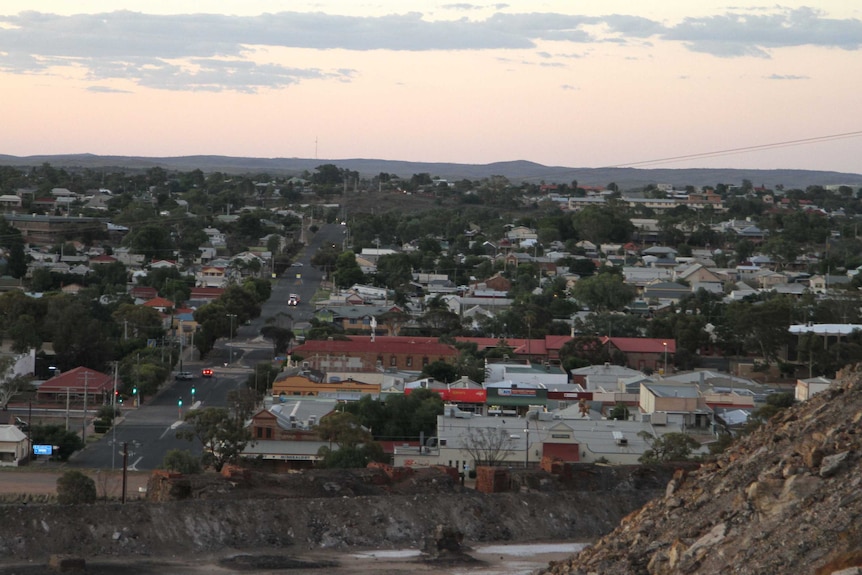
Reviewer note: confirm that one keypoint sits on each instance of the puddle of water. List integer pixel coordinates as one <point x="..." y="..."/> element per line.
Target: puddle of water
<point x="516" y="559"/>
<point x="388" y="554"/>
<point x="530" y="550"/>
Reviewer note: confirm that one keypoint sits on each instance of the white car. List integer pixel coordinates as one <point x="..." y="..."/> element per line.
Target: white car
<point x="293" y="300"/>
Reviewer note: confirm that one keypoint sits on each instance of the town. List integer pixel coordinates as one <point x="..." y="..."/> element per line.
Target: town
<point x="428" y="323"/>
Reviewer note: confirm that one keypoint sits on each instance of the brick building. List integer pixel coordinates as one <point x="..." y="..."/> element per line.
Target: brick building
<point x="363" y="353"/>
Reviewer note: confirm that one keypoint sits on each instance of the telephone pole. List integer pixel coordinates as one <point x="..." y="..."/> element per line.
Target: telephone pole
<point x="86" y="392"/>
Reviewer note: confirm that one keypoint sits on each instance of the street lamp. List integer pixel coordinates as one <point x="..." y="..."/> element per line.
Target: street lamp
<point x="230" y="338"/>
<point x="664" y="343"/>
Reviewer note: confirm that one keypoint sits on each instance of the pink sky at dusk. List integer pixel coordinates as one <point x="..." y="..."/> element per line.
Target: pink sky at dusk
<point x="579" y="84"/>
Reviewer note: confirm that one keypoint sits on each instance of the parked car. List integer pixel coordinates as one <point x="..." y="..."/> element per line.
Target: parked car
<point x="293" y="299"/>
<point x="207" y="372"/>
<point x="184" y="375"/>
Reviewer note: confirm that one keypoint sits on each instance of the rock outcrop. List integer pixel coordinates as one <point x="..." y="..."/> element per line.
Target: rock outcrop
<point x="786" y="499"/>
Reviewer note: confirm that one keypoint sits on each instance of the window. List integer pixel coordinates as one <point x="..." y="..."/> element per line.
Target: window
<point x="258" y="431"/>
<point x="409" y="361"/>
<point x="424" y="361"/>
<point x="269" y="433"/>
<point x="393" y="361"/>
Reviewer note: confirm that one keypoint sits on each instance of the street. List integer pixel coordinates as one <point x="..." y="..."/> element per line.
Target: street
<point x="149" y="431"/>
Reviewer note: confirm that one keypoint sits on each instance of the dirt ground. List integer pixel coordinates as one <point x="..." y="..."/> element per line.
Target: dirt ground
<point x="35" y="482"/>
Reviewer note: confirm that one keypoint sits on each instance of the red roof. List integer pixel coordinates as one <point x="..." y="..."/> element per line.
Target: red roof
<point x="159" y="302"/>
<point x="76" y="380"/>
<point x="206" y="292"/>
<point x="642" y="344"/>
<point x="147" y="292"/>
<point x="103" y="259"/>
<point x="385" y="344"/>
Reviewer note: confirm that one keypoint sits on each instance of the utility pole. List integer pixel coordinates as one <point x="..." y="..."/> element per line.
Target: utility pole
<point x="230" y="338"/>
<point x="86" y="392"/>
<point x="125" y="467"/>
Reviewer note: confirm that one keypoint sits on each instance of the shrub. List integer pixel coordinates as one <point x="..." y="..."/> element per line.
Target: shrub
<point x="182" y="461"/>
<point x="75" y="487"/>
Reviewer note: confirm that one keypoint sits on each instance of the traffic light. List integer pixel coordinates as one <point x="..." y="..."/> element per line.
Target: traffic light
<point x="180" y="402"/>
<point x="135" y="390"/>
<point x="193" y="392"/>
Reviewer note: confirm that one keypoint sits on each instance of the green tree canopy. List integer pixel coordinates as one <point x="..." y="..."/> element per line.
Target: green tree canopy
<point x="223" y="437"/>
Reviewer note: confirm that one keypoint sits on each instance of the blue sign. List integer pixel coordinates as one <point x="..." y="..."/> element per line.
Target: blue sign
<point x="43" y="449"/>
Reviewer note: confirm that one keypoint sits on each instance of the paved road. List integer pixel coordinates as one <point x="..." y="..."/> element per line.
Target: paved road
<point x="149" y="431"/>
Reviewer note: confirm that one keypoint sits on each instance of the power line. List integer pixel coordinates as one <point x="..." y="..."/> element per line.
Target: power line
<point x="745" y="149"/>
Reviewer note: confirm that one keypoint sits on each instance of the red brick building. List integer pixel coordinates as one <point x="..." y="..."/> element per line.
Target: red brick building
<point x="361" y="353"/>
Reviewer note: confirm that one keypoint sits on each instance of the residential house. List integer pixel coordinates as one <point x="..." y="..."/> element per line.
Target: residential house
<point x="10" y="202"/>
<point x="79" y="385"/>
<point x="520" y="233"/>
<point x="160" y="304"/>
<point x="822" y="283"/>
<point x="205" y="293"/>
<point x="696" y="274"/>
<point x="358" y="318"/>
<point x="682" y="405"/>
<point x="807" y="388"/>
<point x="211" y="276"/>
<point x="14" y="446"/>
<point x="102" y="260"/>
<point x="660" y="290"/>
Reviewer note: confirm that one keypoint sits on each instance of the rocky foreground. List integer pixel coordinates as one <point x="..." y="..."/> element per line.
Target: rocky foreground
<point x="784" y="500"/>
<point x="212" y="515"/>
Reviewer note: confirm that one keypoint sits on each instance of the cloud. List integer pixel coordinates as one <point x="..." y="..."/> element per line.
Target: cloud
<point x="737" y="34"/>
<point x="107" y="90"/>
<point x="786" y="77"/>
<point x="219" y="52"/>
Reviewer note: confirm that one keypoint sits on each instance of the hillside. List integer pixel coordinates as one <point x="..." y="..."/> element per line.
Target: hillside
<point x="784" y="500"/>
<point x="515" y="171"/>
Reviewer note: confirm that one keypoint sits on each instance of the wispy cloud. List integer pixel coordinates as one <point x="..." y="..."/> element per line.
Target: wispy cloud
<point x="740" y="34"/>
<point x="107" y="90"/>
<point x="786" y="77"/>
<point x="216" y="52"/>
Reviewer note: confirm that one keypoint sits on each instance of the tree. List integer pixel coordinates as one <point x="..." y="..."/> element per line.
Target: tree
<point x="67" y="442"/>
<point x="441" y="371"/>
<point x="13" y="242"/>
<point x="223" y="438"/>
<point x="619" y="412"/>
<point x="604" y="292"/>
<point x="672" y="446"/>
<point x="10" y="383"/>
<point x="347" y="271"/>
<point x="73" y="487"/>
<point x="280" y="337"/>
<point x="181" y="461"/>
<point x="488" y="445"/>
<point x="355" y="444"/>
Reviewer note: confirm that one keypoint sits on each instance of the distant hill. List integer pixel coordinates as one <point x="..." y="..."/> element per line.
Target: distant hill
<point x="516" y="171"/>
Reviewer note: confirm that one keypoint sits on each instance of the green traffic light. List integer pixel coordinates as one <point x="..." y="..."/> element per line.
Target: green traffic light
<point x="180" y="402"/>
<point x="193" y="391"/>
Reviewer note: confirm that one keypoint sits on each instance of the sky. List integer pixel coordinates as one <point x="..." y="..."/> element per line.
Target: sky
<point x="576" y="83"/>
